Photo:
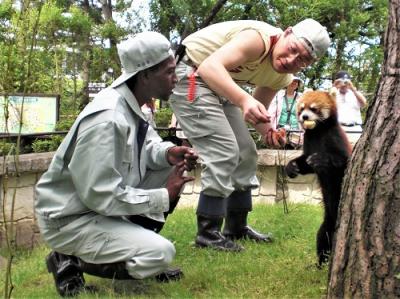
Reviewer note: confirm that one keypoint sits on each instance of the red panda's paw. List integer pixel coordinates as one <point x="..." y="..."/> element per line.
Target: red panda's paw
<point x="292" y="169"/>
<point x="317" y="161"/>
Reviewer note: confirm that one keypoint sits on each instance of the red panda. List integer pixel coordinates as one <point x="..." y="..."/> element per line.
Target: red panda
<point x="326" y="151"/>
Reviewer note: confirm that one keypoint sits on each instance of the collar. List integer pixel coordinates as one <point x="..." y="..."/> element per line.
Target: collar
<point x="130" y="99"/>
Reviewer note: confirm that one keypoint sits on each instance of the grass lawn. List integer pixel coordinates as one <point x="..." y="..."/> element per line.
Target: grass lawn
<point x="283" y="269"/>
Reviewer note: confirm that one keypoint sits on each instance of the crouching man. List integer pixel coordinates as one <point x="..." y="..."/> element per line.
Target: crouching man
<point x="112" y="181"/>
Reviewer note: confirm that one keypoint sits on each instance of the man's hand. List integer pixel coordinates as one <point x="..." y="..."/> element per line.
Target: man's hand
<point x="351" y="86"/>
<point x="175" y="182"/>
<point x="184" y="154"/>
<point x="275" y="138"/>
<point x="254" y="111"/>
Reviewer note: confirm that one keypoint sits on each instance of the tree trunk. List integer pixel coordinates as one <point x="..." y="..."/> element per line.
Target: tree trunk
<point x="207" y="21"/>
<point x="217" y="7"/>
<point x="106" y="8"/>
<point x="366" y="255"/>
<point x="86" y="63"/>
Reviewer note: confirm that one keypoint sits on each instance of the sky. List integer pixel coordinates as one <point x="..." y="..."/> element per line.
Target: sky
<point x="142" y="7"/>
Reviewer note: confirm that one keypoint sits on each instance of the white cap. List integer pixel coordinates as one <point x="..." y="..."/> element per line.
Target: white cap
<point x="295" y="78"/>
<point x="313" y="36"/>
<point x="141" y="52"/>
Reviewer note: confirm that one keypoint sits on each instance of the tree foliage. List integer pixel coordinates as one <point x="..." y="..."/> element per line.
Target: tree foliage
<point x="356" y="28"/>
<point x="76" y="41"/>
<point x="74" y="44"/>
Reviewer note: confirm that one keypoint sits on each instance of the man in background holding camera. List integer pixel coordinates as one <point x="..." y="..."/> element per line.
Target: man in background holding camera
<point x="349" y="102"/>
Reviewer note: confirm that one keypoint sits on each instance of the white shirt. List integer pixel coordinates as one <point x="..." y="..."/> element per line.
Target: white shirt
<point x="148" y="115"/>
<point x="348" y="108"/>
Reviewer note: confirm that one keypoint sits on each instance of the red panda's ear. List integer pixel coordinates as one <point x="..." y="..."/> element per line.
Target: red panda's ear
<point x="333" y="92"/>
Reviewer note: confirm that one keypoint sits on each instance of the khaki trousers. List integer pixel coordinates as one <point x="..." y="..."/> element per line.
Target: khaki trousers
<point x="216" y="129"/>
<point x="103" y="239"/>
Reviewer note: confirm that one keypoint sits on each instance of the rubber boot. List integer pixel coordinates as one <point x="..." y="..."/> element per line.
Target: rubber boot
<point x="210" y="212"/>
<point x="118" y="271"/>
<point x="209" y="235"/>
<point x="68" y="276"/>
<point x="236" y="228"/>
<point x="68" y="271"/>
<point x="239" y="203"/>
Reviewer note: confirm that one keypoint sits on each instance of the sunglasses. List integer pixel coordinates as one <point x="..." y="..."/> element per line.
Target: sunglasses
<point x="301" y="61"/>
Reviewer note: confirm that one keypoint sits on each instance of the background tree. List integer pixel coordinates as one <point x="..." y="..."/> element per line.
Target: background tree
<point x="366" y="260"/>
<point x="356" y="29"/>
<point x="76" y="39"/>
<point x="75" y="45"/>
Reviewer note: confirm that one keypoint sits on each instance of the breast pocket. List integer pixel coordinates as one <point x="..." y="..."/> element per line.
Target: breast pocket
<point x="127" y="161"/>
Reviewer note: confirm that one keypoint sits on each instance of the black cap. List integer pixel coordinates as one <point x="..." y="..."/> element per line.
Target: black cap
<point x="342" y="75"/>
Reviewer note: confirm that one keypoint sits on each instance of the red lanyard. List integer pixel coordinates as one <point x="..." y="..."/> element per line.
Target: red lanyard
<point x="192" y="86"/>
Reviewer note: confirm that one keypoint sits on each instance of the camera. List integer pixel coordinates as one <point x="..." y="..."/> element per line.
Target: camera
<point x="343" y="81"/>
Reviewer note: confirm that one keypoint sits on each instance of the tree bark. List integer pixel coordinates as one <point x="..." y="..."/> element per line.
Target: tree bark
<point x="207" y="21"/>
<point x="217" y="7"/>
<point x="106" y="8"/>
<point x="366" y="255"/>
<point x="86" y="63"/>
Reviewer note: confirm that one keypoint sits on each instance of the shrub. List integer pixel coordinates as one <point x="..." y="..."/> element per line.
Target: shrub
<point x="163" y="117"/>
<point x="64" y="125"/>
<point x="7" y="148"/>
<point x="47" y="145"/>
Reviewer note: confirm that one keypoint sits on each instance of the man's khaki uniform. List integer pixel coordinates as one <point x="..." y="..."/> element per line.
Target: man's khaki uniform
<point x="100" y="174"/>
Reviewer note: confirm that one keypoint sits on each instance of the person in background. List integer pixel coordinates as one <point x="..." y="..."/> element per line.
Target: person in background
<point x="112" y="182"/>
<point x="283" y="113"/>
<point x="212" y="108"/>
<point x="149" y="109"/>
<point x="349" y="102"/>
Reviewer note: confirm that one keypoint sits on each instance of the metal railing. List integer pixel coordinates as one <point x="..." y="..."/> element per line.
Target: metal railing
<point x="158" y="129"/>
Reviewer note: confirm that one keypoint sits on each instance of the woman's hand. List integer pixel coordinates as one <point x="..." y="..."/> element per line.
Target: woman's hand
<point x="275" y="138"/>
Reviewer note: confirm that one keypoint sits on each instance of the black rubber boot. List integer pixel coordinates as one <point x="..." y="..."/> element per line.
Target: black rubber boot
<point x="118" y="271"/>
<point x="239" y="203"/>
<point x="68" y="271"/>
<point x="111" y="270"/>
<point x="171" y="274"/>
<point x="209" y="235"/>
<point x="67" y="275"/>
<point x="236" y="228"/>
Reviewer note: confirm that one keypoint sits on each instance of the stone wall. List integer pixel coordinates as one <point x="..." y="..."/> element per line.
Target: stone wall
<point x="17" y="185"/>
<point x="17" y="188"/>
<point x="273" y="185"/>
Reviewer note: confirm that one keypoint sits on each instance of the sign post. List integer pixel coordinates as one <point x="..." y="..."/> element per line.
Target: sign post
<point x="37" y="113"/>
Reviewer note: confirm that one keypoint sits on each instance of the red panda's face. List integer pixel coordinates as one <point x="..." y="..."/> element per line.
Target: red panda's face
<point x="314" y="107"/>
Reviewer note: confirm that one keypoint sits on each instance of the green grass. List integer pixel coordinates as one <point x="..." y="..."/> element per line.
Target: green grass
<point x="283" y="269"/>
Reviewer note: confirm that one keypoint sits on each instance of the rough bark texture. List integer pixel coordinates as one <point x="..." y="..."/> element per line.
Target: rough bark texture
<point x="86" y="63"/>
<point x="365" y="262"/>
